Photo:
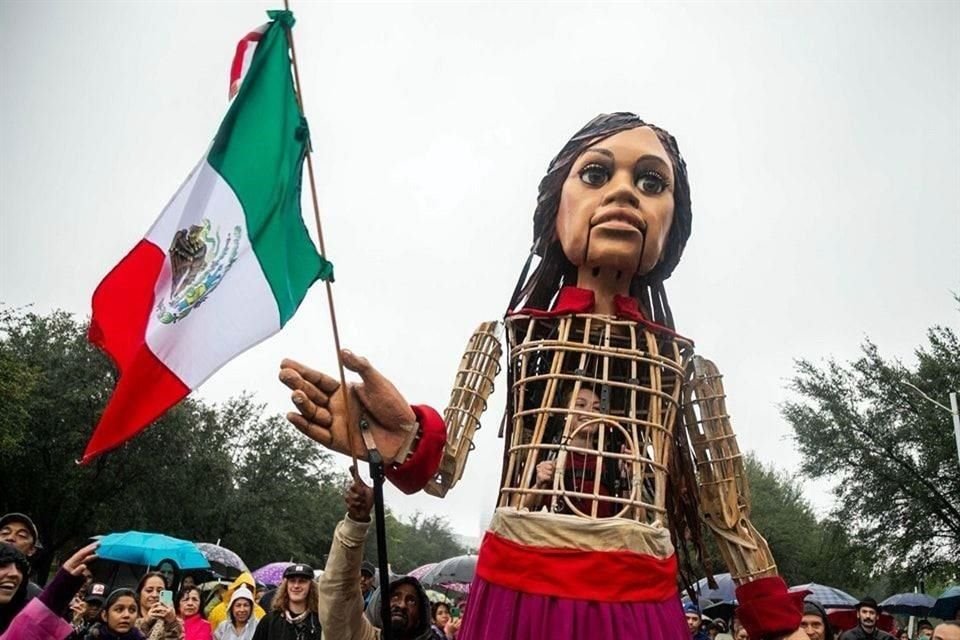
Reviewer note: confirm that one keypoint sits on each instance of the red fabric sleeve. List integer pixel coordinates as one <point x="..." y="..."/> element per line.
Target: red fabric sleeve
<point x="413" y="475"/>
<point x="767" y="609"/>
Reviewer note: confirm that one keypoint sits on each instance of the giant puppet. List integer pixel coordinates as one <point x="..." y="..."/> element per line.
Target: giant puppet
<point x="617" y="440"/>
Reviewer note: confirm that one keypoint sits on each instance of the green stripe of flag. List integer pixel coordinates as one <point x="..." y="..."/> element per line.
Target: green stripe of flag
<point x="259" y="151"/>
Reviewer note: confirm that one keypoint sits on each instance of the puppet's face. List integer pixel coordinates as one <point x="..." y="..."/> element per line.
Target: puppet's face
<point x="616" y="205"/>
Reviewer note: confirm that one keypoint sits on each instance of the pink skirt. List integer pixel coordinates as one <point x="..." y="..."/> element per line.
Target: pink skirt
<point x="498" y="613"/>
<point x="553" y="576"/>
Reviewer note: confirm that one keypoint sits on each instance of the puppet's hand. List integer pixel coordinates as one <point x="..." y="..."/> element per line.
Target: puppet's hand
<point x="323" y="413"/>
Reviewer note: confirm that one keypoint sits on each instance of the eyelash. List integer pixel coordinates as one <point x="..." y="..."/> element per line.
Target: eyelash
<point x="593" y="166"/>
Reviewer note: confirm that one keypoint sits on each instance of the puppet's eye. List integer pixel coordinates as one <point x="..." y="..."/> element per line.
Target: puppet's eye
<point x="651" y="182"/>
<point x="594" y="175"/>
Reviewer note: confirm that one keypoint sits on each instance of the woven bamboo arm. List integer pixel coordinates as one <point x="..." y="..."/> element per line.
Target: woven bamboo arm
<point x="468" y="400"/>
<point x="724" y="491"/>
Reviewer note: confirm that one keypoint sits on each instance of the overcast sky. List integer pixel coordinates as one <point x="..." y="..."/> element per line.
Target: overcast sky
<point x="822" y="139"/>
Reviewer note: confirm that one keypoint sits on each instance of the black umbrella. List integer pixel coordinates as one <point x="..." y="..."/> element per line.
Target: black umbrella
<point x="908" y="604"/>
<point x="947" y="606"/>
<point x="456" y="569"/>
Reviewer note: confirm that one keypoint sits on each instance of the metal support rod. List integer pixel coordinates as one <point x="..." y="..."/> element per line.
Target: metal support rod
<point x="377" y="474"/>
<point x="952" y="410"/>
<point x="956" y="420"/>
<point x="376" y="471"/>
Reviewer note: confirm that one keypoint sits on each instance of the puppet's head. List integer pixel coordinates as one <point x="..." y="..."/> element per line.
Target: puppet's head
<point x="557" y="266"/>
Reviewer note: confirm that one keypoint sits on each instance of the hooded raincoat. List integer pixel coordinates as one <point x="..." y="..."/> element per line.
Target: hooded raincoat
<point x="219" y="612"/>
<point x="225" y="630"/>
<point x="341" y="603"/>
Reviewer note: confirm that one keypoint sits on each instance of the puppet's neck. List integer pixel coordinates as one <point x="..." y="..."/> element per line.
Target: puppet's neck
<point x="605" y="284"/>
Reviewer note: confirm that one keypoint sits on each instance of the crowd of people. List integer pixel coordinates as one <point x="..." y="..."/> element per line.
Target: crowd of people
<point x="343" y="603"/>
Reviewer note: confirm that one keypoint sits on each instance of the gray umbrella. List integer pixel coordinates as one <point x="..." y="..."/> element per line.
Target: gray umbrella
<point x="457" y="569"/>
<point x="222" y="560"/>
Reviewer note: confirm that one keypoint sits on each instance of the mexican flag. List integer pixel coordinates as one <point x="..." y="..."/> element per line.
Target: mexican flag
<point x="227" y="263"/>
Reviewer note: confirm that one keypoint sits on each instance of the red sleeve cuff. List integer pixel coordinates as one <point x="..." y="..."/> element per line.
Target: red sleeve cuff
<point x="415" y="473"/>
<point x="767" y="609"/>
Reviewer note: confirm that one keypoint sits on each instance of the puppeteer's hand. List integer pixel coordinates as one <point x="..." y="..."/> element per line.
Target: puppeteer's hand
<point x="545" y="471"/>
<point x="322" y="408"/>
<point x="359" y="499"/>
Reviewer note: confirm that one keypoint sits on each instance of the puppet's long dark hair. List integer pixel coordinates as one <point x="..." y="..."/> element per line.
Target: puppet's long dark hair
<point x="554" y="271"/>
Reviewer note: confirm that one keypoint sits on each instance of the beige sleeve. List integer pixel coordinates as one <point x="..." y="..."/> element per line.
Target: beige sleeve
<point x="341" y="603"/>
<point x="472" y="386"/>
<point x="722" y="479"/>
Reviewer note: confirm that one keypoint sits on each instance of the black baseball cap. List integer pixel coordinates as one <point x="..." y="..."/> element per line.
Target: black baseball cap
<point x="367" y="568"/>
<point x="298" y="570"/>
<point x="96" y="593"/>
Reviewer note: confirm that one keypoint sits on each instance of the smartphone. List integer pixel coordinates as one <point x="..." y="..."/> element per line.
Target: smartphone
<point x="166" y="597"/>
<point x="455" y="612"/>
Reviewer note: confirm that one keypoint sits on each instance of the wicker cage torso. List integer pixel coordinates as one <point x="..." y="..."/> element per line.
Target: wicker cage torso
<point x="599" y="396"/>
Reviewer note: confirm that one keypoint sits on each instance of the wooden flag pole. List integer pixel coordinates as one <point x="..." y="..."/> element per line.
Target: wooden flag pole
<point x="323" y="252"/>
<point x="373" y="456"/>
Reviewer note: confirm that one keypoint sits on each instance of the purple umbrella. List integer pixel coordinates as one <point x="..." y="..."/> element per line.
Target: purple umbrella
<point x="271" y="574"/>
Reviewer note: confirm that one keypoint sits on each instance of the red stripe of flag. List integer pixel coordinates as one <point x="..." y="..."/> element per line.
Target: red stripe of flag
<point x="122" y="305"/>
<point x="236" y="68"/>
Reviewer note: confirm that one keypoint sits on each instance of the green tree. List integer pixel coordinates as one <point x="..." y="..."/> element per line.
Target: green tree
<point x="208" y="473"/>
<point x="805" y="548"/>
<point x="419" y="540"/>
<point x="892" y="452"/>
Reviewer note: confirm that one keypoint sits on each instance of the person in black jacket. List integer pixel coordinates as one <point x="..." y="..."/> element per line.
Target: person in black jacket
<point x="867" y="615"/>
<point x="293" y="613"/>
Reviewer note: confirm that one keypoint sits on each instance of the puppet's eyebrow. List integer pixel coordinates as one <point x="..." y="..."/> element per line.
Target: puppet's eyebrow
<point x="602" y="151"/>
<point x="650" y="157"/>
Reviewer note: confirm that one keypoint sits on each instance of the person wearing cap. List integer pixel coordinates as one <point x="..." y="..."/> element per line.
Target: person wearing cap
<point x="815" y="622"/>
<point x="694" y="621"/>
<point x="294" y="611"/>
<point x="86" y="607"/>
<point x="20" y="531"/>
<point x="41" y="618"/>
<point x="367" y="586"/>
<point x="341" y="602"/>
<point x="867" y="615"/>
<point x="240" y="624"/>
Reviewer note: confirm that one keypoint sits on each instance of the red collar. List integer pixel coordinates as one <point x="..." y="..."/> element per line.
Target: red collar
<point x="572" y="300"/>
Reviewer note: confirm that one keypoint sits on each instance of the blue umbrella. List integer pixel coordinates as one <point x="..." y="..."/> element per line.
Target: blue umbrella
<point x="908" y="604"/>
<point x="947" y="604"/>
<point x="829" y="597"/>
<point x="150" y="549"/>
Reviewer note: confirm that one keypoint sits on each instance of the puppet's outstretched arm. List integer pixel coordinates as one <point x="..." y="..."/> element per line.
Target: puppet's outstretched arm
<point x="724" y="491"/>
<point x="468" y="400"/>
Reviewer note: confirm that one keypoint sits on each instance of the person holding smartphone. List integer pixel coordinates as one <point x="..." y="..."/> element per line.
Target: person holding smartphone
<point x="158" y="619"/>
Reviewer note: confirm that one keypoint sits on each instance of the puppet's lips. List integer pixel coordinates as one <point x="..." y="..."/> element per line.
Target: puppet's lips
<point x="626" y="219"/>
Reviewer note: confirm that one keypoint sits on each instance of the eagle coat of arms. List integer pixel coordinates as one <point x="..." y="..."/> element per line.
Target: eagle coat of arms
<point x="199" y="259"/>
